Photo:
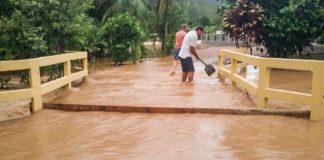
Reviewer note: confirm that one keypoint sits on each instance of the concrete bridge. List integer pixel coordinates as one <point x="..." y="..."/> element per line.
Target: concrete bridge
<point x="294" y="87"/>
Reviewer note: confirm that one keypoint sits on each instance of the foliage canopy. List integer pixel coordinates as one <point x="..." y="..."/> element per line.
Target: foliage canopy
<point x="123" y="35"/>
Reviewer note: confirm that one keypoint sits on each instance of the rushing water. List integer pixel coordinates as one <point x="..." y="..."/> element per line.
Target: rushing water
<point x="53" y="134"/>
<point x="148" y="85"/>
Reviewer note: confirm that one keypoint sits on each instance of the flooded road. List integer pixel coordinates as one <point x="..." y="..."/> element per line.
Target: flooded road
<point x="148" y="84"/>
<point x="53" y="134"/>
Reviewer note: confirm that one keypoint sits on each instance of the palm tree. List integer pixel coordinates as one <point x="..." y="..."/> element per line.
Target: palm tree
<point x="155" y="16"/>
<point x="108" y="8"/>
<point x="151" y="13"/>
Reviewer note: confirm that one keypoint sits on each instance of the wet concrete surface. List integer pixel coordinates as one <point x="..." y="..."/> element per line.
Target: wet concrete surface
<point x="148" y="84"/>
<point x="51" y="134"/>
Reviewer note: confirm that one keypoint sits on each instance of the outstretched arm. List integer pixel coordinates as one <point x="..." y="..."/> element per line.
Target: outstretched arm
<point x="193" y="51"/>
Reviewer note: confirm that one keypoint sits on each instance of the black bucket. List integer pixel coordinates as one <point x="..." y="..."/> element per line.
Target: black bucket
<point x="210" y="69"/>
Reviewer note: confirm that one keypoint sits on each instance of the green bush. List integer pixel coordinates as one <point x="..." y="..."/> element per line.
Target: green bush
<point x="293" y="27"/>
<point x="171" y="42"/>
<point x="36" y="28"/>
<point x="123" y="36"/>
<point x="287" y="26"/>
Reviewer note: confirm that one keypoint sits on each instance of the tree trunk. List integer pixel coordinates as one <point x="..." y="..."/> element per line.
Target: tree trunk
<point x="154" y="47"/>
<point x="237" y="42"/>
<point x="165" y="39"/>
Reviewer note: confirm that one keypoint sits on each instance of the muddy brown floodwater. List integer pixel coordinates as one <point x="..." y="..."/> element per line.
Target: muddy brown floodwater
<point x="53" y="134"/>
<point x="148" y="84"/>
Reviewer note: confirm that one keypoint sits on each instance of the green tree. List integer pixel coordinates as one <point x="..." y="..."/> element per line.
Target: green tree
<point x="5" y="8"/>
<point x="169" y="17"/>
<point x="292" y="28"/>
<point x="204" y="21"/>
<point x="162" y="17"/>
<point x="19" y="39"/>
<point x="43" y="27"/>
<point x="217" y="19"/>
<point x="289" y="26"/>
<point x="123" y="35"/>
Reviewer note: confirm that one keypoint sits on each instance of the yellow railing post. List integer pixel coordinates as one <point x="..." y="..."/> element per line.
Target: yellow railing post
<point x="233" y="71"/>
<point x="263" y="84"/>
<point x="35" y="84"/>
<point x="67" y="73"/>
<point x="317" y="107"/>
<point x="220" y="63"/>
<point x="85" y="66"/>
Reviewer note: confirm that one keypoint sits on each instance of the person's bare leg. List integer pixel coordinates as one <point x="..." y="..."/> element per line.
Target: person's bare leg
<point x="190" y="77"/>
<point x="184" y="76"/>
<point x="175" y="62"/>
<point x="172" y="72"/>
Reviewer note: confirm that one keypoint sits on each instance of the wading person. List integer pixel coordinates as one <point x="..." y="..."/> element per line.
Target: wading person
<point x="179" y="36"/>
<point x="188" y="49"/>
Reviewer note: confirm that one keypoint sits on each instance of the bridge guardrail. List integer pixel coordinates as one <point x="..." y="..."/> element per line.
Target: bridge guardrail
<point x="37" y="89"/>
<point x="262" y="90"/>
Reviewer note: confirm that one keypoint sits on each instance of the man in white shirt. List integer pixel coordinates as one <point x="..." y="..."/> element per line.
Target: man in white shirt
<point x="188" y="48"/>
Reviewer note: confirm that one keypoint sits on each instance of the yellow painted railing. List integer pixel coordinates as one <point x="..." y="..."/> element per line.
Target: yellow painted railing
<point x="262" y="90"/>
<point x="37" y="89"/>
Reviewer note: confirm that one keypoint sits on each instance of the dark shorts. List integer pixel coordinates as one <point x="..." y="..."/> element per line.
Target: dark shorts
<point x="176" y="53"/>
<point x="187" y="65"/>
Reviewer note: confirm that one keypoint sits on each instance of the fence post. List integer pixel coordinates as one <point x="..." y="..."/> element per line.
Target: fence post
<point x="233" y="71"/>
<point x="220" y="63"/>
<point x="67" y="73"/>
<point x="85" y="67"/>
<point x="35" y="85"/>
<point x="263" y="84"/>
<point x="317" y="107"/>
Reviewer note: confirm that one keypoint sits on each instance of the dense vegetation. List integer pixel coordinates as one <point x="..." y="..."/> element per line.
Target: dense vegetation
<point x="284" y="27"/>
<point x="33" y="28"/>
<point x="38" y="28"/>
<point x="104" y="28"/>
<point x="123" y="36"/>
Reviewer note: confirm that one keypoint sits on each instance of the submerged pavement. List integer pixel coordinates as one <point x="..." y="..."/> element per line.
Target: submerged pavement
<point x="51" y="134"/>
<point x="147" y="87"/>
